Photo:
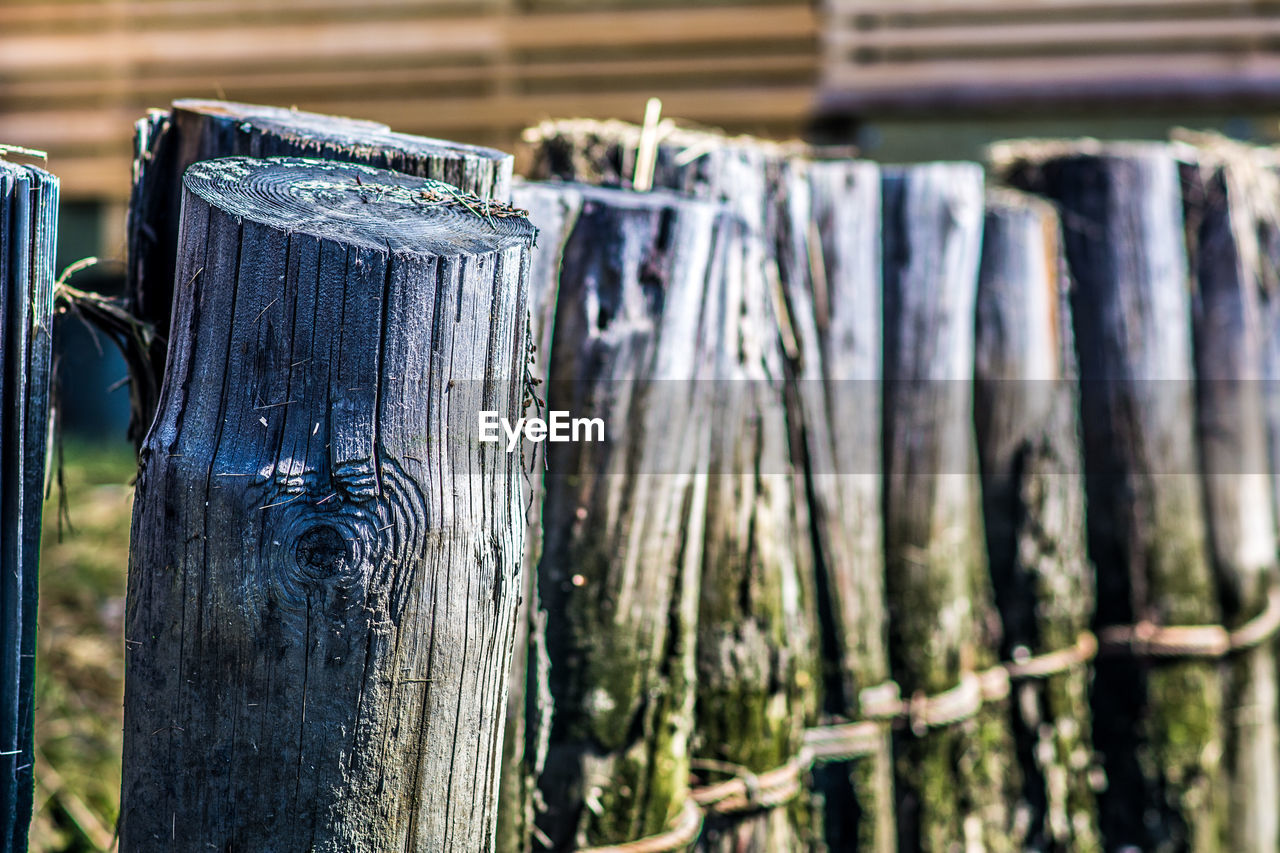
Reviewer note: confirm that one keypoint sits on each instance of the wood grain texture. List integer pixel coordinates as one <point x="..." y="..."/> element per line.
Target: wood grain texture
<point x="827" y="235"/>
<point x="324" y="567"/>
<point x="167" y="143"/>
<point x="1028" y="428"/>
<point x="554" y="209"/>
<point x="757" y="654"/>
<point x="1226" y="197"/>
<point x="623" y="519"/>
<point x="1156" y="725"/>
<point x="28" y="227"/>
<point x="955" y="782"/>
<point x="757" y="643"/>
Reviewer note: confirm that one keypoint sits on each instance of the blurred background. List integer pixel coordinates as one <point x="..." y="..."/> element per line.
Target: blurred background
<point x="904" y="80"/>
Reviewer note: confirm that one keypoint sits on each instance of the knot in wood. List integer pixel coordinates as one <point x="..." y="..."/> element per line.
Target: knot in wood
<point x="322" y="553"/>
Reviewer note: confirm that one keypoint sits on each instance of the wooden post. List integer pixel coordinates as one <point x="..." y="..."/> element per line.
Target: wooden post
<point x="954" y="781"/>
<point x="166" y="143"/>
<point x="1027" y="420"/>
<point x="623" y="519"/>
<point x="1226" y="191"/>
<point x="1157" y="724"/>
<point x="28" y="227"/>
<point x="324" y="568"/>
<point x="828" y="243"/>
<point x="756" y="643"/>
<point x="757" y="656"/>
<point x="555" y="209"/>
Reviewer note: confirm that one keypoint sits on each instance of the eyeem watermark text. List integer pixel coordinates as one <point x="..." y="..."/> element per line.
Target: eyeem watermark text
<point x="558" y="426"/>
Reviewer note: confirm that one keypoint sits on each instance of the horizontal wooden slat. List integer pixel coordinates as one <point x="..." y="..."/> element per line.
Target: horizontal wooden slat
<point x="913" y="55"/>
<point x="999" y="83"/>
<point x="1084" y="37"/>
<point x="902" y="10"/>
<point x="445" y="37"/>
<point x="303" y="83"/>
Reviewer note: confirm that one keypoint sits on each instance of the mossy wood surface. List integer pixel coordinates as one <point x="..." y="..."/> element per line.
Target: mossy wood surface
<point x="1157" y="724"/>
<point x="167" y="142"/>
<point x="28" y="227"/>
<point x="954" y="784"/>
<point x="757" y="642"/>
<point x="1028" y="427"/>
<point x="827" y="237"/>
<point x="555" y="208"/>
<point x="623" y="519"/>
<point x="325" y="560"/>
<point x="1221" y="206"/>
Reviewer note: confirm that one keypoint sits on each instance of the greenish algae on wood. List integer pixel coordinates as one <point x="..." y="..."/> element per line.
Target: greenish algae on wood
<point x="623" y="519"/>
<point x="955" y="783"/>
<point x="1027" y="400"/>
<point x="1229" y="192"/>
<point x="1157" y="724"/>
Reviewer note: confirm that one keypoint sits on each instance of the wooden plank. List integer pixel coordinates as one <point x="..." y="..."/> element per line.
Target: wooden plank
<point x="1240" y="32"/>
<point x="412" y="36"/>
<point x="915" y="10"/>
<point x="1048" y="82"/>
<point x="292" y="85"/>
<point x="28" y="226"/>
<point x="317" y="586"/>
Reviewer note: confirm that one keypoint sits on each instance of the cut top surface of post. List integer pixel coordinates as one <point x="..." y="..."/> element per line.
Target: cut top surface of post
<point x="365" y="139"/>
<point x="356" y="204"/>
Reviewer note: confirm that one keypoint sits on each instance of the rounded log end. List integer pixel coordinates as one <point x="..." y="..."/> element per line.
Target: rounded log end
<point x="260" y="113"/>
<point x="358" y="205"/>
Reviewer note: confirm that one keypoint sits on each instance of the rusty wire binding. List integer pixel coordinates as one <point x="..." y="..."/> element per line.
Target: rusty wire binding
<point x="883" y="705"/>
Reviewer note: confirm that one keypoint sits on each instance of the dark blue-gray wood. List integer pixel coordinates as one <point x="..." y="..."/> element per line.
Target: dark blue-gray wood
<point x="28" y="224"/>
<point x="942" y="619"/>
<point x="325" y="560"/>
<point x="1156" y="724"/>
<point x="1028" y="427"/>
<point x="166" y="143"/>
<point x="1226" y="195"/>
<point x="619" y="568"/>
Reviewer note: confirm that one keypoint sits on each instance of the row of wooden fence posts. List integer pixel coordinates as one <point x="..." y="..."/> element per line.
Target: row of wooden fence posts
<point x="855" y="416"/>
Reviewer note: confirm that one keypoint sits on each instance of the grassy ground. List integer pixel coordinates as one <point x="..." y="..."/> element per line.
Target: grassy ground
<point x="80" y="660"/>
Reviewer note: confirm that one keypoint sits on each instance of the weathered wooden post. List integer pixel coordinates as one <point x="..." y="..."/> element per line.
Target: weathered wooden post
<point x="167" y="142"/>
<point x="1156" y="723"/>
<point x="755" y="639"/>
<point x="324" y="567"/>
<point x="555" y="209"/>
<point x="828" y="243"/>
<point x="1027" y="419"/>
<point x="28" y="226"/>
<point x="1226" y="190"/>
<point x="623" y="517"/>
<point x="955" y="769"/>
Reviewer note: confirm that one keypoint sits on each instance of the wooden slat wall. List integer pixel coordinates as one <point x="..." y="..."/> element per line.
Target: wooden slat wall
<point x="886" y="56"/>
<point x="75" y="74"/>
